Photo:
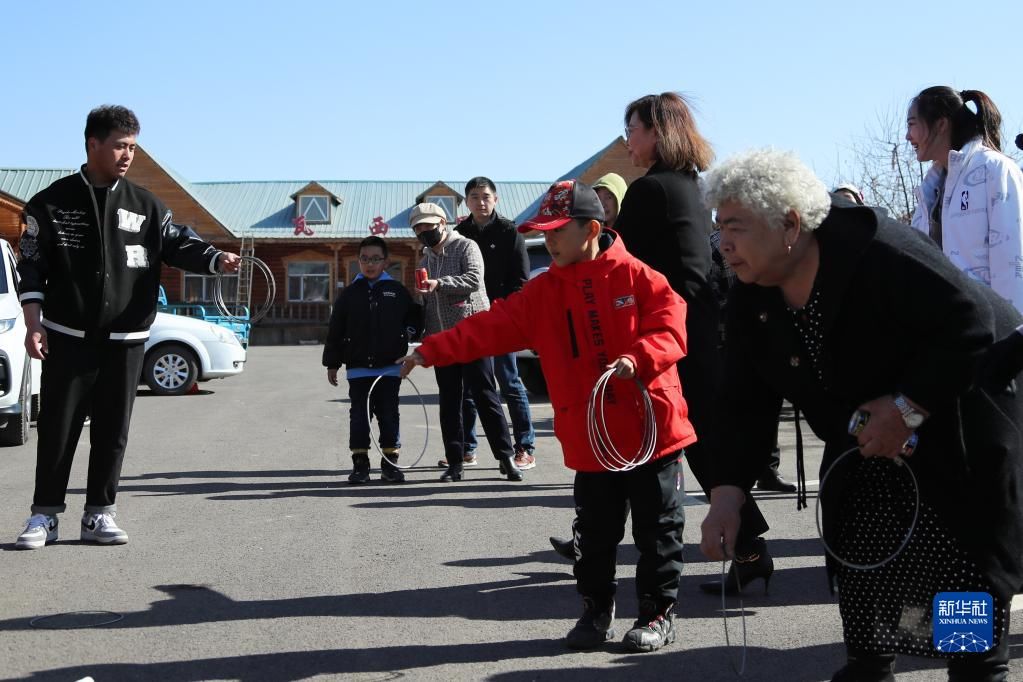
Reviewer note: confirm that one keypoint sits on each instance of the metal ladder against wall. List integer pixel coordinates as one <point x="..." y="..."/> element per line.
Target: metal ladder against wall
<point x="243" y="297"/>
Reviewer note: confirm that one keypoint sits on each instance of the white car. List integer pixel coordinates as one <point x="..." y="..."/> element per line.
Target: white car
<point x="182" y="350"/>
<point x="19" y="375"/>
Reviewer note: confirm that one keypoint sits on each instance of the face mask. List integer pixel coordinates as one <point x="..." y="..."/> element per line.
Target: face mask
<point x="431" y="238"/>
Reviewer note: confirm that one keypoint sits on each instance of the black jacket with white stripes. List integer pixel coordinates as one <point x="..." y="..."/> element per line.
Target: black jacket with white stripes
<point x="97" y="276"/>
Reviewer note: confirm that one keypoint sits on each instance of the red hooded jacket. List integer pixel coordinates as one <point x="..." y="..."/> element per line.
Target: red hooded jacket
<point x="581" y="318"/>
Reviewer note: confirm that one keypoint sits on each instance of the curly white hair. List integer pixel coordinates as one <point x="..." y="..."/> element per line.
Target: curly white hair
<point x="770" y="183"/>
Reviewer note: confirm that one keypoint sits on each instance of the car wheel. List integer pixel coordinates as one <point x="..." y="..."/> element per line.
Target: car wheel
<point x="532" y="377"/>
<point x="170" y="369"/>
<point x="16" y="432"/>
<point x="35" y="407"/>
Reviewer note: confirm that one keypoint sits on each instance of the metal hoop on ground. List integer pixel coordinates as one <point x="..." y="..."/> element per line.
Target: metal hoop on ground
<point x="897" y="461"/>
<point x="600" y="438"/>
<point x="741" y="668"/>
<point x="376" y="443"/>
<point x="264" y="307"/>
<point x="54" y="621"/>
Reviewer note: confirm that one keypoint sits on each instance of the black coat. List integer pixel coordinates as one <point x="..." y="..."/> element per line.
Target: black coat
<point x="898" y="317"/>
<point x="371" y="326"/>
<point x="505" y="261"/>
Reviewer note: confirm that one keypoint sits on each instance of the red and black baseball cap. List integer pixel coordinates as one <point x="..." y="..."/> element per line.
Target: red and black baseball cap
<point x="565" y="200"/>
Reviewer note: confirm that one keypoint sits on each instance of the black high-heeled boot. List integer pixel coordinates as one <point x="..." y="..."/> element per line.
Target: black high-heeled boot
<point x="746" y="567"/>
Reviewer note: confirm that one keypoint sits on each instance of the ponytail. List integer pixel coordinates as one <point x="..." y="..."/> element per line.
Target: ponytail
<point x="983" y="119"/>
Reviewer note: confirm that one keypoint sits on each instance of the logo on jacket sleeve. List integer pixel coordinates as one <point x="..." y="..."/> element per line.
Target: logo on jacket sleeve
<point x="964" y="200"/>
<point x="137" y="256"/>
<point x="31" y="226"/>
<point x="128" y="221"/>
<point x="625" y="301"/>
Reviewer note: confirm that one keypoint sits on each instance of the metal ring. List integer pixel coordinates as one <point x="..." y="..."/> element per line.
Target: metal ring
<point x="39" y="621"/>
<point x="601" y="443"/>
<point x="741" y="669"/>
<point x="265" y="306"/>
<point x="898" y="461"/>
<point x="376" y="443"/>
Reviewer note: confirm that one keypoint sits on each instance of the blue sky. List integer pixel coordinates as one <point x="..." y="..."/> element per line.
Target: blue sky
<point x="514" y="90"/>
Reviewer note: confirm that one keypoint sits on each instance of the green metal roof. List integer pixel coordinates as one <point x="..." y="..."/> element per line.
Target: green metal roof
<point x="266" y="209"/>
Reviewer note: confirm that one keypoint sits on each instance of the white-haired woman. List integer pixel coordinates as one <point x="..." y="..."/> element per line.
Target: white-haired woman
<point x="840" y="309"/>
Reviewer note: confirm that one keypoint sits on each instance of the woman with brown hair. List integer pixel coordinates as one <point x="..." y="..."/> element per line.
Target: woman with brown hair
<point x="663" y="222"/>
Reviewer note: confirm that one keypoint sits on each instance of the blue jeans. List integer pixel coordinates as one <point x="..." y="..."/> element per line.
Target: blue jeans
<point x="384" y="406"/>
<point x="506" y="370"/>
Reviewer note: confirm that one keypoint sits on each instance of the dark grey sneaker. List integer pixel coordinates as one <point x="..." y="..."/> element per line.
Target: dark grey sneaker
<point x="595" y="628"/>
<point x="389" y="472"/>
<point x="654" y="628"/>
<point x="360" y="469"/>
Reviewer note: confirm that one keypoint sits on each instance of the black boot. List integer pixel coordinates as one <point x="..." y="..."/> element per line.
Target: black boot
<point x="654" y="628"/>
<point x="389" y="472"/>
<point x="360" y="468"/>
<point x="508" y="468"/>
<point x="454" y="472"/>
<point x="867" y="668"/>
<point x="564" y="548"/>
<point x="771" y="479"/>
<point x="746" y="567"/>
<point x="596" y="626"/>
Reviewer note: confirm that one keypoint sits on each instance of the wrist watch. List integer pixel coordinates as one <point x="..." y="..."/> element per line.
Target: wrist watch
<point x="910" y="417"/>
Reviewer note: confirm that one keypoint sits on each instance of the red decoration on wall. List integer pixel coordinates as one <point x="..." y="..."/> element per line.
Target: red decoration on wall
<point x="301" y="227"/>
<point x="378" y="226"/>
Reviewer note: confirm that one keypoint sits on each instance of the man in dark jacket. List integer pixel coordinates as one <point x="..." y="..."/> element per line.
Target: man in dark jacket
<point x="505" y="270"/>
<point x="90" y="270"/>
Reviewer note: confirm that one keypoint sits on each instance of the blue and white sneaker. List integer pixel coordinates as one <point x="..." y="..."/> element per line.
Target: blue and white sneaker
<point x="40" y="530"/>
<point x="101" y="528"/>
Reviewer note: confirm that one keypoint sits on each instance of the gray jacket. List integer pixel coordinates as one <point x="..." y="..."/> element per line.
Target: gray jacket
<point x="460" y="291"/>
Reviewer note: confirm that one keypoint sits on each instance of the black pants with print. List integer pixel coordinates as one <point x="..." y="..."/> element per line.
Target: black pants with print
<point x="478" y="375"/>
<point x="654" y="491"/>
<point x="84" y="378"/>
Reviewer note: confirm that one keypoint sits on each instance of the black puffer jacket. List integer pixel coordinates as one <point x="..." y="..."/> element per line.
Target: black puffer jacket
<point x="505" y="260"/>
<point x="97" y="276"/>
<point x="372" y="326"/>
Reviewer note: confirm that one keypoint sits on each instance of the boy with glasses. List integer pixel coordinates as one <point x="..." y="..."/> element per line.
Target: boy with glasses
<point x="373" y="320"/>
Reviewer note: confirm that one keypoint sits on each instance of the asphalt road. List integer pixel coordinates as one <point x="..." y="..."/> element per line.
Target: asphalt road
<point x="251" y="558"/>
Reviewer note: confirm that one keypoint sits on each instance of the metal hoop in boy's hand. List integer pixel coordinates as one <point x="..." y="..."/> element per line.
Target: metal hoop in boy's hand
<point x="741" y="668"/>
<point x="600" y="438"/>
<point x="898" y="464"/>
<point x="376" y="443"/>
<point x="264" y="308"/>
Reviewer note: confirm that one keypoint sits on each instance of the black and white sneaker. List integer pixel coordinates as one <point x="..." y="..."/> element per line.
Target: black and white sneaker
<point x="654" y="628"/>
<point x="101" y="528"/>
<point x="40" y="530"/>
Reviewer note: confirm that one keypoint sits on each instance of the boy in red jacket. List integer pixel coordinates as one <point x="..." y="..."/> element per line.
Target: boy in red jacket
<point x="599" y="308"/>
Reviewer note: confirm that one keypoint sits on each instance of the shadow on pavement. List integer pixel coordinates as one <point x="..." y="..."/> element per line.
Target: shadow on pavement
<point x="684" y="660"/>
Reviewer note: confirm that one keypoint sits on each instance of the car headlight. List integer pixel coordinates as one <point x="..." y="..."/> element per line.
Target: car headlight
<point x="223" y="335"/>
<point x="7" y="325"/>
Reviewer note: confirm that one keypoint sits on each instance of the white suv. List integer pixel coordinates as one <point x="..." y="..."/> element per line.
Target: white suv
<point x="19" y="375"/>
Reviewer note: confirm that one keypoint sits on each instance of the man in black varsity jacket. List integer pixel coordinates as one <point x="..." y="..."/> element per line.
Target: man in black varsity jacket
<point x="90" y="270"/>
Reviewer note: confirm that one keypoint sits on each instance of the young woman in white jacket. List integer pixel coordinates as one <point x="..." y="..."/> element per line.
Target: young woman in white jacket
<point x="969" y="202"/>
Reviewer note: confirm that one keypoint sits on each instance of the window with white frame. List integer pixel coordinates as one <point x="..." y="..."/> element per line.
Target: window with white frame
<point x="449" y="204"/>
<point x="199" y="288"/>
<point x="308" y="281"/>
<point x="315" y="208"/>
